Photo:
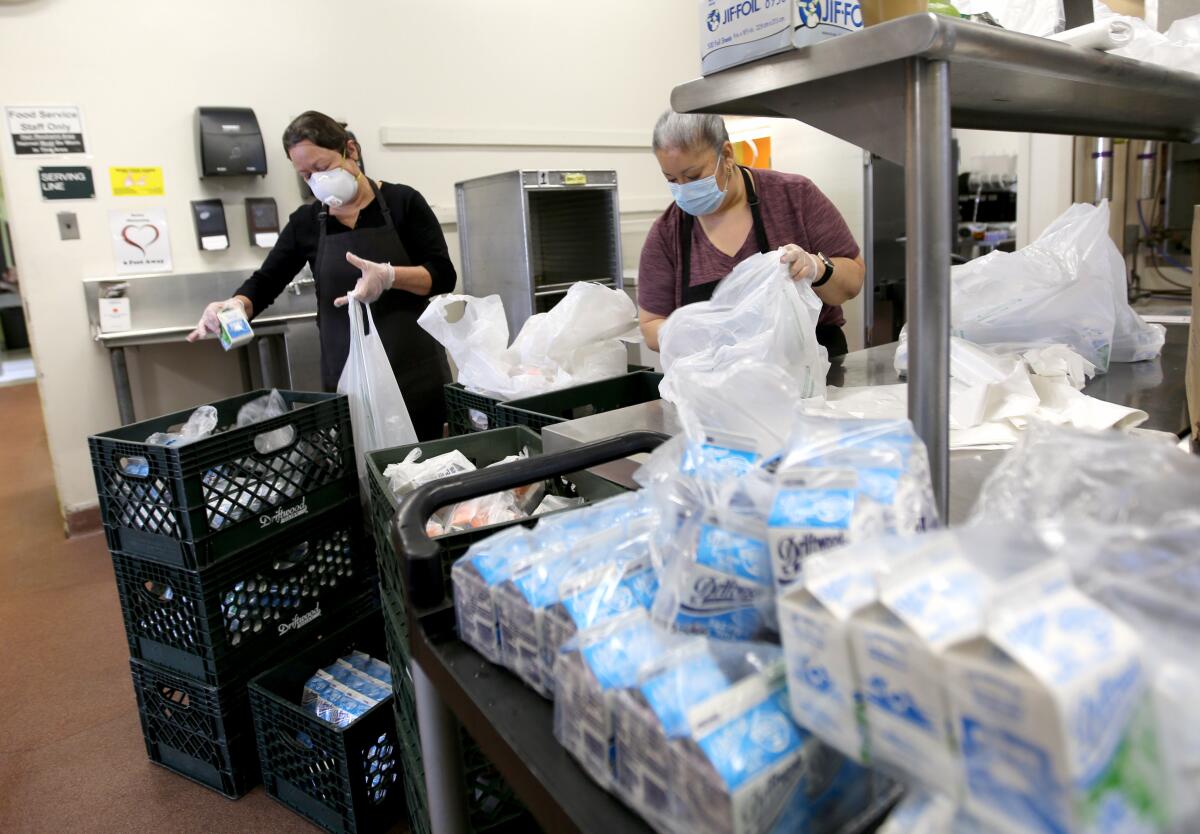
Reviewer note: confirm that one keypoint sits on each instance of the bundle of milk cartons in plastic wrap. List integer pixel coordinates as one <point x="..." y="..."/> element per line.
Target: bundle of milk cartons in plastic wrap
<point x="347" y="689"/>
<point x="650" y="620"/>
<point x="1033" y="670"/>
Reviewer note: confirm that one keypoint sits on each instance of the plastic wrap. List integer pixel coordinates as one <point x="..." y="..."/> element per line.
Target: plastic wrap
<point x="841" y="479"/>
<point x="475" y="577"/>
<point x="757" y="313"/>
<point x="651" y="718"/>
<point x="1106" y="477"/>
<point x="264" y="408"/>
<point x="589" y="671"/>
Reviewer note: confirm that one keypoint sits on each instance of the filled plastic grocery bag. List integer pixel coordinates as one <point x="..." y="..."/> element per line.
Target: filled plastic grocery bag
<point x="579" y="340"/>
<point x="757" y="312"/>
<point x="378" y="415"/>
<point x="1067" y="287"/>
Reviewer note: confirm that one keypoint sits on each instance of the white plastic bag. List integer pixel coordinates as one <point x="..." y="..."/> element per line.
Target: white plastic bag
<point x="1177" y="48"/>
<point x="1067" y="287"/>
<point x="578" y="341"/>
<point x="378" y="414"/>
<point x="758" y="312"/>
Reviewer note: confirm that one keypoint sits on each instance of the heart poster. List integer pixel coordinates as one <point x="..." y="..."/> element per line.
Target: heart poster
<point x="140" y="241"/>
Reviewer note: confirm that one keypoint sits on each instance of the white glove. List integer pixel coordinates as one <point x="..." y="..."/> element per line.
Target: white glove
<point x="209" y="324"/>
<point x="375" y="279"/>
<point x="802" y="265"/>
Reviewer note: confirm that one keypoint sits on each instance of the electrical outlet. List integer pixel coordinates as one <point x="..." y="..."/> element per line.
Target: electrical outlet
<point x="68" y="226"/>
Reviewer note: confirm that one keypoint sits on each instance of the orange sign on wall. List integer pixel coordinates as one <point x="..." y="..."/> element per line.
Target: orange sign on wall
<point x="753" y="153"/>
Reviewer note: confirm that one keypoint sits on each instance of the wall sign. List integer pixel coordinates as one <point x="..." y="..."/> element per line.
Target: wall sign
<point x="45" y="130"/>
<point x="136" y="182"/>
<point x="140" y="241"/>
<point x="66" y="182"/>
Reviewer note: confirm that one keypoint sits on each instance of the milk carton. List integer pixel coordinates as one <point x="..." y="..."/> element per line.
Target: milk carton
<point x="733" y="32"/>
<point x="932" y="598"/>
<point x="824" y="687"/>
<point x="721" y="587"/>
<point x="747" y="767"/>
<point x="588" y="672"/>
<point x="812" y="514"/>
<point x="235" y="330"/>
<point x="1054" y="716"/>
<point x="477" y="575"/>
<point x="651" y="717"/>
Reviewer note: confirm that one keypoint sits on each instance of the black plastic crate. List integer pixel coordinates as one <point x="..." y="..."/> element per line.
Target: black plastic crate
<point x="217" y="624"/>
<point x="342" y="779"/>
<point x="482" y="449"/>
<point x="491" y="803"/>
<point x="468" y="412"/>
<point x="197" y="731"/>
<point x="580" y="401"/>
<point x="195" y="504"/>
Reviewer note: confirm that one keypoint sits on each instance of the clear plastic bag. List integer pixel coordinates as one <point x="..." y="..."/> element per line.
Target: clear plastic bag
<point x="842" y="479"/>
<point x="758" y="312"/>
<point x="264" y="408"/>
<point x="200" y="424"/>
<point x="1030" y="17"/>
<point x="378" y="416"/>
<point x="1107" y="477"/>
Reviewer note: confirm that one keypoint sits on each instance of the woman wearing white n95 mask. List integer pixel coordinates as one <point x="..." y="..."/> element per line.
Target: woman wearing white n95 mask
<point x="376" y="242"/>
<point x="724" y="213"/>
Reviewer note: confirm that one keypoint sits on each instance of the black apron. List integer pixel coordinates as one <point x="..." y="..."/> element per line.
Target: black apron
<point x="829" y="335"/>
<point x="416" y="357"/>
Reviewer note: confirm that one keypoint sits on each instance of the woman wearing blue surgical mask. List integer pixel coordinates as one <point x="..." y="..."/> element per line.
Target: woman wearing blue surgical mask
<point x="364" y="239"/>
<point x="724" y="213"/>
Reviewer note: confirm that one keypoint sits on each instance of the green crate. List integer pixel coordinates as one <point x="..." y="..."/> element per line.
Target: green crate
<point x="468" y="412"/>
<point x="580" y="401"/>
<point x="482" y="449"/>
<point x="491" y="803"/>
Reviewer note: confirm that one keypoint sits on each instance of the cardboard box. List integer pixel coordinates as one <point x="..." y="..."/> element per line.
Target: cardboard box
<point x="1055" y="718"/>
<point x="734" y="32"/>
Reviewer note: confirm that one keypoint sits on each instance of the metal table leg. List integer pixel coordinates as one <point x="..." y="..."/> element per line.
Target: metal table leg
<point x="120" y="373"/>
<point x="928" y="212"/>
<point x="266" y="363"/>
<point x="441" y="756"/>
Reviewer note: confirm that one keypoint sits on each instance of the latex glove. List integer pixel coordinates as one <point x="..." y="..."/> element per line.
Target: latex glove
<point x="375" y="279"/>
<point x="209" y="324"/>
<point x="802" y="265"/>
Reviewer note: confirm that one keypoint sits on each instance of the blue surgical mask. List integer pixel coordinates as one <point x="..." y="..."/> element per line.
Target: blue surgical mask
<point x="701" y="197"/>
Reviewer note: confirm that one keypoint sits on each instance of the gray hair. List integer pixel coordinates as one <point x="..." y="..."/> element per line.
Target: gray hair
<point x="688" y="131"/>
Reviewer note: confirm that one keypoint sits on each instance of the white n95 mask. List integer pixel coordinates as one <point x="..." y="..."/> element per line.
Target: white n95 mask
<point x="334" y="187"/>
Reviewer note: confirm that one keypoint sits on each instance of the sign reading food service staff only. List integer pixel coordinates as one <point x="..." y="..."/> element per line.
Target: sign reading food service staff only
<point x="45" y="130"/>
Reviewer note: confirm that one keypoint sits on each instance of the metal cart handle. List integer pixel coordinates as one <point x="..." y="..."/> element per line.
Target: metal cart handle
<point x="422" y="556"/>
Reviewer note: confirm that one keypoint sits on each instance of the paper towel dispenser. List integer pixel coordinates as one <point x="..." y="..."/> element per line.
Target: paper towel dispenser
<point x="229" y="143"/>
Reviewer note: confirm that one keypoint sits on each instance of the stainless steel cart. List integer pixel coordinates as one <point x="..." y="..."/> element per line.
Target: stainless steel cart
<point x="528" y="236"/>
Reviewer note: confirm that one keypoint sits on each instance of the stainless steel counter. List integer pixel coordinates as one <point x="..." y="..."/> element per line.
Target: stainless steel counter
<point x="164" y="309"/>
<point x="1156" y="387"/>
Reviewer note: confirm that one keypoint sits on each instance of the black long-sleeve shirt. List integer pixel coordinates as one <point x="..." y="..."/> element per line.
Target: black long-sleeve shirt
<point x="414" y="220"/>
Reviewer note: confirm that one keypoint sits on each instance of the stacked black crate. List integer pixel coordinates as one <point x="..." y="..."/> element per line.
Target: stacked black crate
<point x="230" y="553"/>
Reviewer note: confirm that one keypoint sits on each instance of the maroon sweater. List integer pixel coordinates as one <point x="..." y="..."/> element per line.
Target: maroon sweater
<point x="793" y="210"/>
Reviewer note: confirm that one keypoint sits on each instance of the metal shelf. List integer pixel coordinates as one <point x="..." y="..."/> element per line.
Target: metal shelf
<point x="897" y="89"/>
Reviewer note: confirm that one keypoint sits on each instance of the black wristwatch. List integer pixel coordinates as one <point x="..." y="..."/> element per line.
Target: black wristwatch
<point x="824" y="279"/>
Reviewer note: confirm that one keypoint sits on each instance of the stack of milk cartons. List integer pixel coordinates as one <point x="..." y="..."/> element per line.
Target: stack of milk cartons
<point x="520" y="594"/>
<point x="694" y="733"/>
<point x="347" y="689"/>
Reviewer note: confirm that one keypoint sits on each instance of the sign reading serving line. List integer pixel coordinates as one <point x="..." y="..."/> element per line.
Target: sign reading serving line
<point x="45" y="130"/>
<point x="66" y="183"/>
